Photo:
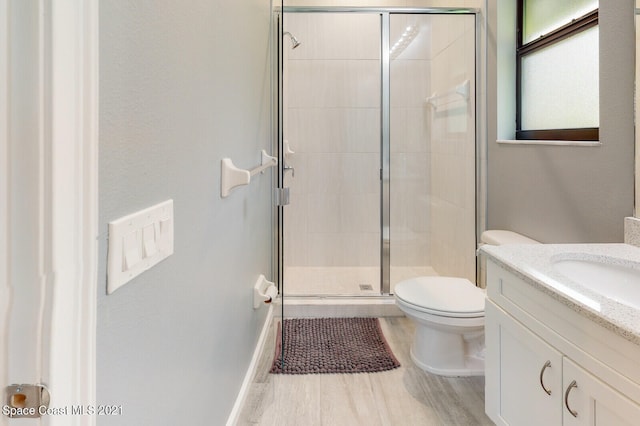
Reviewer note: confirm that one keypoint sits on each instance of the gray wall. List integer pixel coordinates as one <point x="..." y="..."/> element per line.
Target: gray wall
<point x="565" y="194"/>
<point x="182" y="85"/>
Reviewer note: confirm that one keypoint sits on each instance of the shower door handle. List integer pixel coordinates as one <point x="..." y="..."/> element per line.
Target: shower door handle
<point x="289" y="168"/>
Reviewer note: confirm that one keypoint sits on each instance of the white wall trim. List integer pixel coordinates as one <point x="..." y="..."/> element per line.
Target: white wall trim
<point x="4" y="191"/>
<point x="67" y="190"/>
<point x="69" y="234"/>
<point x="251" y="371"/>
<point x="531" y="142"/>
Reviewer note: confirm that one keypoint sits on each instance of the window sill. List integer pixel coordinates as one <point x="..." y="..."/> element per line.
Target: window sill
<point x="548" y="142"/>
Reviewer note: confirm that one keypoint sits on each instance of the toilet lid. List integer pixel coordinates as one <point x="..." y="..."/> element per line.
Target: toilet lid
<point x="444" y="296"/>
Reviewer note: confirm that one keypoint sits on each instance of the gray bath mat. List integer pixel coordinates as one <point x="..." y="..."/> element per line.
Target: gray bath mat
<point x="332" y="345"/>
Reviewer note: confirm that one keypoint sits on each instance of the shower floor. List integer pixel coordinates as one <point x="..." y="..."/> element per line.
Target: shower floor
<point x="344" y="281"/>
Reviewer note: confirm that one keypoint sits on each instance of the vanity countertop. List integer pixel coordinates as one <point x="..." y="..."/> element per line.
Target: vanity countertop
<point x="536" y="265"/>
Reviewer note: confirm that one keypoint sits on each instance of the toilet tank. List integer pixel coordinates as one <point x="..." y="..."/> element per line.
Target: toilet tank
<point x="498" y="237"/>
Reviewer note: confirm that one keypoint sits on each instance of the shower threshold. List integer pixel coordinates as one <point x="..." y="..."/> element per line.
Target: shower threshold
<point x="337" y="306"/>
<point x="346" y="281"/>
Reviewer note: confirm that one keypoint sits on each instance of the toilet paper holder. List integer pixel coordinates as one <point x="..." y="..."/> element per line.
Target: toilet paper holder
<point x="263" y="292"/>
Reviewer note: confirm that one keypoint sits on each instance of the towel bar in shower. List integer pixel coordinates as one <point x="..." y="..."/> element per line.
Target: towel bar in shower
<point x="461" y="90"/>
<point x="231" y="176"/>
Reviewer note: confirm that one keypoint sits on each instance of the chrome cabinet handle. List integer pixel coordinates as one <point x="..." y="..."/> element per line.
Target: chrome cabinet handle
<point x="544" y="367"/>
<point x="572" y="385"/>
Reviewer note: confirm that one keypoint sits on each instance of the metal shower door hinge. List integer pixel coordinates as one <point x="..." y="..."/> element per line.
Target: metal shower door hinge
<point x="282" y="196"/>
<point x="25" y="401"/>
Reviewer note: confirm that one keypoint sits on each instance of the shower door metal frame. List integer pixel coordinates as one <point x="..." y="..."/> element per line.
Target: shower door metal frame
<point x="385" y="126"/>
<point x="385" y="157"/>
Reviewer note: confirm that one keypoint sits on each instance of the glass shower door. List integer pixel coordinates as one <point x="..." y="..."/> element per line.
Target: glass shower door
<point x="331" y="132"/>
<point x="432" y="146"/>
<point x="379" y="142"/>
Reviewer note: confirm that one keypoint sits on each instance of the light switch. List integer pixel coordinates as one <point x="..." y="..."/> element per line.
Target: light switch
<point x="165" y="226"/>
<point x="149" y="241"/>
<point x="131" y="251"/>
<point x="138" y="242"/>
<point x="165" y="239"/>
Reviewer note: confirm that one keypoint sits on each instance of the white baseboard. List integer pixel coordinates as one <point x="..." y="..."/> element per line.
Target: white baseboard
<point x="251" y="371"/>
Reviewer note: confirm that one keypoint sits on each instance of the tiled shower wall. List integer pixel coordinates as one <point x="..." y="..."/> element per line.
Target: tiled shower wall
<point x="332" y="123"/>
<point x="433" y="150"/>
<point x="453" y="164"/>
<point x="410" y="74"/>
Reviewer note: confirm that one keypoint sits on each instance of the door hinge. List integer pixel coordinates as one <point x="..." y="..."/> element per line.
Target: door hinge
<point x="26" y="401"/>
<point x="282" y="196"/>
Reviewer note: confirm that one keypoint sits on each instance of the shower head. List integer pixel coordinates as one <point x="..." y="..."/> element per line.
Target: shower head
<point x="294" y="41"/>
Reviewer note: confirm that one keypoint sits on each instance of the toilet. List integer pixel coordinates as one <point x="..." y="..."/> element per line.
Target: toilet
<point x="449" y="316"/>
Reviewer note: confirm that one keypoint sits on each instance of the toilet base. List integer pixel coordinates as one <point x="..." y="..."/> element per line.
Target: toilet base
<point x="473" y="367"/>
<point x="443" y="352"/>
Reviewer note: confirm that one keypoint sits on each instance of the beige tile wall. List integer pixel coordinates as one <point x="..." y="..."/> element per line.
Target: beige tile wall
<point x="332" y="122"/>
<point x="410" y="74"/>
<point x="453" y="151"/>
<point x="332" y="113"/>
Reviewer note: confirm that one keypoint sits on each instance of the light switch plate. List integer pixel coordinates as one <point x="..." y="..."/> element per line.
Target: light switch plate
<point x="137" y="242"/>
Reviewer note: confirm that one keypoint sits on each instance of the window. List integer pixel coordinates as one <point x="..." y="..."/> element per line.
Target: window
<point x="557" y="70"/>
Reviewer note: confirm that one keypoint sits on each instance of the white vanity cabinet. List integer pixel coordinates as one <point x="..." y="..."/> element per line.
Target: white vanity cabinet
<point x="519" y="366"/>
<point x="594" y="402"/>
<point x="548" y="365"/>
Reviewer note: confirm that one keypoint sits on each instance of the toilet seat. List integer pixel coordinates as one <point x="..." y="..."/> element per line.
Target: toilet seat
<point x="442" y="296"/>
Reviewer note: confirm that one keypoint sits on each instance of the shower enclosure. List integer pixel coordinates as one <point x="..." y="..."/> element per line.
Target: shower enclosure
<point x="377" y="145"/>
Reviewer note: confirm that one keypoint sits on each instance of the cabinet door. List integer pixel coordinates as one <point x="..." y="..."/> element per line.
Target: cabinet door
<point x="523" y="373"/>
<point x="593" y="402"/>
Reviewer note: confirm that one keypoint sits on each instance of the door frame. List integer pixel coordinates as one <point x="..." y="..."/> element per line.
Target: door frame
<point x="68" y="197"/>
<point x="4" y="190"/>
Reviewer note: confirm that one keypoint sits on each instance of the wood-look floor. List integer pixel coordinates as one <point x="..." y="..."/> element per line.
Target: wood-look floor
<point x="404" y="396"/>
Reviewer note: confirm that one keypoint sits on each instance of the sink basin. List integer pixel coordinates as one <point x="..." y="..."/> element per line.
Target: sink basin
<point x="616" y="281"/>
